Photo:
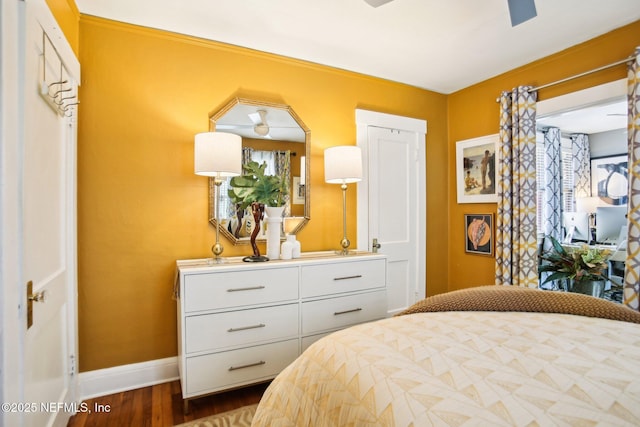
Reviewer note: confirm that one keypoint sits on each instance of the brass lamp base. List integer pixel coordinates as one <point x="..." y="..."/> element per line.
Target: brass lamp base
<point x="344" y="243"/>
<point x="217" y="250"/>
<point x="345" y="247"/>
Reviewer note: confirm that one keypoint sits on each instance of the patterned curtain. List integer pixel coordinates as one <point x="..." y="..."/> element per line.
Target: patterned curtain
<point x="283" y="168"/>
<point x="632" y="267"/>
<point x="552" y="203"/>
<point x="516" y="239"/>
<point x="581" y="165"/>
<point x="247" y="154"/>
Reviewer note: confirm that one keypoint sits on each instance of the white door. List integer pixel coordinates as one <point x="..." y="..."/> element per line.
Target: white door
<point x="43" y="392"/>
<point x="391" y="202"/>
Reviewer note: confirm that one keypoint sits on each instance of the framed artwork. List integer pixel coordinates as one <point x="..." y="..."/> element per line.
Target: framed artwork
<point x="478" y="234"/>
<point x="476" y="162"/>
<point x="298" y="192"/>
<point x="610" y="180"/>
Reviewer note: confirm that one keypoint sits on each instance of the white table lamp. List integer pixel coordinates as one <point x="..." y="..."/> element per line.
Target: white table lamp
<point x="343" y="165"/>
<point x="217" y="155"/>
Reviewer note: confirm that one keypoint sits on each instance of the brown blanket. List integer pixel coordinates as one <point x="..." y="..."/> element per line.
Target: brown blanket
<point x="514" y="298"/>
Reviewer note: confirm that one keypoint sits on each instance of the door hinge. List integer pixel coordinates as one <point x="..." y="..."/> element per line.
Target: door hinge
<point x="72" y="365"/>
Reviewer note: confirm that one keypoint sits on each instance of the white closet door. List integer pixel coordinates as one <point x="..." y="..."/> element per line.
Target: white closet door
<point x="391" y="202"/>
<point x="47" y="221"/>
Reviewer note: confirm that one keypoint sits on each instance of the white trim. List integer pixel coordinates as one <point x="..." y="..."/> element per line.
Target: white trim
<point x="11" y="122"/>
<point x="384" y="120"/>
<point x="582" y="98"/>
<point x="364" y="119"/>
<point x="106" y="381"/>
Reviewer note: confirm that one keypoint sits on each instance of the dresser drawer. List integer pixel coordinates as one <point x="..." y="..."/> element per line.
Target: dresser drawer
<point x="318" y="280"/>
<point x="339" y="312"/>
<point x="240" y="328"/>
<point x="310" y="339"/>
<point x="213" y="372"/>
<point x="218" y="290"/>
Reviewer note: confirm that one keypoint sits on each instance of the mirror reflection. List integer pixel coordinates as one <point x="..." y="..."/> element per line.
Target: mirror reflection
<point x="275" y="138"/>
<point x="592" y="193"/>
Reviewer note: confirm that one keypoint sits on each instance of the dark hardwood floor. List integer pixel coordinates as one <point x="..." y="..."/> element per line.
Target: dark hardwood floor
<point x="160" y="405"/>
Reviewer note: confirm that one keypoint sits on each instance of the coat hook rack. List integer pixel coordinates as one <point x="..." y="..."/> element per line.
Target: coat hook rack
<point x="57" y="93"/>
<point x="68" y="109"/>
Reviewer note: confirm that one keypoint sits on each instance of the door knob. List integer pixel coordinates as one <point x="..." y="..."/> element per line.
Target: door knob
<point x="375" y="245"/>
<point x="31" y="297"/>
<point x="37" y="297"/>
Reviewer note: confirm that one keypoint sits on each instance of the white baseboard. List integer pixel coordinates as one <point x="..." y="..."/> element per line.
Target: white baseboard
<point x="126" y="377"/>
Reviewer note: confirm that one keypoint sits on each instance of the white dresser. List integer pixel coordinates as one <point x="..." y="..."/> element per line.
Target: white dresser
<point x="242" y="323"/>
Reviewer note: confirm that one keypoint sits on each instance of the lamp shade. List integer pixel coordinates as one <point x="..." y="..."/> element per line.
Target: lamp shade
<point x="303" y="170"/>
<point x="587" y="204"/>
<point x="217" y="154"/>
<point x="342" y="164"/>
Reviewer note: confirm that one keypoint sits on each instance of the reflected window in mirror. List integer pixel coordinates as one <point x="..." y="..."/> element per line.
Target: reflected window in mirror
<point x="572" y="190"/>
<point x="563" y="178"/>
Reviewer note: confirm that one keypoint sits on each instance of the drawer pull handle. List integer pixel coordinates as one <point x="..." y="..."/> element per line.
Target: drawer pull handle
<point x="244" y="328"/>
<point x="357" y="276"/>
<point x="251" y="288"/>
<point x="235" y="368"/>
<point x="337" y="313"/>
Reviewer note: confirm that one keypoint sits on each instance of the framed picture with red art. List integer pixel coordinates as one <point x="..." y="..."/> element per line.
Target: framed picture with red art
<point x="479" y="234"/>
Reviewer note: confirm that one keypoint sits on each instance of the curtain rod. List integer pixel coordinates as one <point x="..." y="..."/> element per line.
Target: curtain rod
<point x="586" y="73"/>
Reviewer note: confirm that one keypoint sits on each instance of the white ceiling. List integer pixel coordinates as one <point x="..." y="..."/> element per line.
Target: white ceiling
<point x="592" y="119"/>
<point x="441" y="45"/>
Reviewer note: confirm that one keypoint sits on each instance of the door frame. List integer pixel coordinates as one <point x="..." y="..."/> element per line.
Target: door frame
<point x="10" y="212"/>
<point x="12" y="122"/>
<point x="364" y="119"/>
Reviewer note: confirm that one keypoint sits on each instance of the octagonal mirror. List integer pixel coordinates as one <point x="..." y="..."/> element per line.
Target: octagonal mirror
<point x="273" y="134"/>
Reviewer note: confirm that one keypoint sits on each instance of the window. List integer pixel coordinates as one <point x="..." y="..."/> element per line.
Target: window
<point x="566" y="180"/>
<point x="568" y="184"/>
<point x="540" y="181"/>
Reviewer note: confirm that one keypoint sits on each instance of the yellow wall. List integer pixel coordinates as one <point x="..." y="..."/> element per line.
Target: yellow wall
<point x="473" y="112"/>
<point x="68" y="17"/>
<point x="144" y="95"/>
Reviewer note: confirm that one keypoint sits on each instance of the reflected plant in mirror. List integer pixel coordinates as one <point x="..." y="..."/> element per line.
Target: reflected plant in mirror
<point x="275" y="149"/>
<point x="254" y="185"/>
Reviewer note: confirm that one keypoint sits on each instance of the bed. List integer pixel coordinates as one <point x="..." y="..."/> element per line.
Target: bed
<point x="487" y="356"/>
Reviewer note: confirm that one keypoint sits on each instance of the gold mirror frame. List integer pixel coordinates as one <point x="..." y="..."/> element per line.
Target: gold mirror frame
<point x="283" y="123"/>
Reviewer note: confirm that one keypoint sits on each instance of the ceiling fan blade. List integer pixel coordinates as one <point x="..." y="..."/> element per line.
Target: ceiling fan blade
<point x="376" y="3"/>
<point x="521" y="11"/>
<point x="256" y="118"/>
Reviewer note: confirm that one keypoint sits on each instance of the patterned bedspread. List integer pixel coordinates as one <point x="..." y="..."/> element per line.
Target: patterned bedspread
<point x="467" y="368"/>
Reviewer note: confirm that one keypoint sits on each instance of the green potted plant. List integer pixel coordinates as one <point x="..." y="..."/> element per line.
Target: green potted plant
<point x="254" y="186"/>
<point x="583" y="269"/>
<point x="262" y="192"/>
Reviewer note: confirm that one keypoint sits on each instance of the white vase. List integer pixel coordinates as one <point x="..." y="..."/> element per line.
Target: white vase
<point x="286" y="250"/>
<point x="296" y="250"/>
<point x="274" y="225"/>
